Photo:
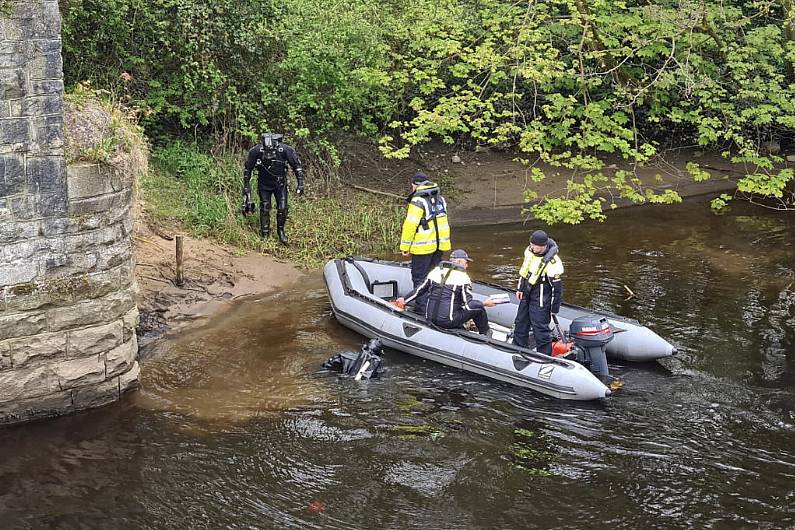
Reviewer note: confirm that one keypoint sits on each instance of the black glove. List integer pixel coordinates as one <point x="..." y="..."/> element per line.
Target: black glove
<point x="248" y="205"/>
<point x="300" y="189"/>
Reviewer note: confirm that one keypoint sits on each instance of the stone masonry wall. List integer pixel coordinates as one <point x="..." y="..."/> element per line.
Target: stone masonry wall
<point x="67" y="307"/>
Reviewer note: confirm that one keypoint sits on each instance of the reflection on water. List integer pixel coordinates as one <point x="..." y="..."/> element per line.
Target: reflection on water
<point x="238" y="427"/>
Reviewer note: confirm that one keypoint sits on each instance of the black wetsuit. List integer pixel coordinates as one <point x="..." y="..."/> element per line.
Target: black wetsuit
<point x="271" y="166"/>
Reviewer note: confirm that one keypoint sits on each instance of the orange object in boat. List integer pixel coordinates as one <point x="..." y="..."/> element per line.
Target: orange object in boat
<point x="560" y="348"/>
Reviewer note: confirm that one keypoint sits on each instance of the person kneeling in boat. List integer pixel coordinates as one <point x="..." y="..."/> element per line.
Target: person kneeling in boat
<point x="449" y="302"/>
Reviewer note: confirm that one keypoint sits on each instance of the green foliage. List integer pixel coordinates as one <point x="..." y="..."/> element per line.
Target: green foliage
<point x="7" y="7"/>
<point x="203" y="194"/>
<point x="104" y="132"/>
<point x="567" y="83"/>
<point x="572" y="82"/>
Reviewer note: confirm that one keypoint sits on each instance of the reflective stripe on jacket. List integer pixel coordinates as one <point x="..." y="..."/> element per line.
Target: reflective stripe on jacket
<point x="427" y="211"/>
<point x="550" y="275"/>
<point x="450" y="292"/>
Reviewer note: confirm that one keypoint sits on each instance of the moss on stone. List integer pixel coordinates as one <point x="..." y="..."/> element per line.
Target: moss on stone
<point x="100" y="130"/>
<point x="7" y="8"/>
<point x="67" y="286"/>
<point x="23" y="289"/>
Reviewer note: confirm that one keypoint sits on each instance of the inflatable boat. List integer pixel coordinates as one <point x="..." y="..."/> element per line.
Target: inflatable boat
<point x="360" y="291"/>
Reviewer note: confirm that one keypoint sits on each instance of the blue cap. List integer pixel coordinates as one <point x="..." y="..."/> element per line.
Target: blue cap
<point x="460" y="254"/>
<point x="420" y="178"/>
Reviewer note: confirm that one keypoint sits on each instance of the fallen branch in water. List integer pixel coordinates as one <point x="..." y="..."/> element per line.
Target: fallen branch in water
<point x="631" y="294"/>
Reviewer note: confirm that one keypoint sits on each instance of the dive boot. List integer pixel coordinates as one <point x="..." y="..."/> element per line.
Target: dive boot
<point x="264" y="224"/>
<point x="281" y="219"/>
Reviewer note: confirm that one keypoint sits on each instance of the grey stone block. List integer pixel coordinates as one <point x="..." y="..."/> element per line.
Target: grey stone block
<point x="114" y="255"/>
<point x="68" y="265"/>
<point x="79" y="372"/>
<point x="130" y="323"/>
<point x="13" y="82"/>
<point x="21" y="207"/>
<point x="14" y="53"/>
<point x="30" y="350"/>
<point x="92" y="205"/>
<point x="131" y="380"/>
<point x="39" y="106"/>
<point x="12" y="175"/>
<point x="127" y="275"/>
<point x="91" y="240"/>
<point x="26" y="383"/>
<point x="102" y="283"/>
<point x="49" y="86"/>
<point x="35" y="296"/>
<point x="18" y="272"/>
<point x="120" y="359"/>
<point x="51" y="205"/>
<point x="22" y="325"/>
<point x="15" y="134"/>
<point x="111" y="307"/>
<point x="25" y="410"/>
<point x="12" y="231"/>
<point x="19" y="251"/>
<point x="5" y="355"/>
<point x="88" y="180"/>
<point x="47" y="22"/>
<point x="49" y="134"/>
<point x="95" y="339"/>
<point x="47" y="65"/>
<point x="46" y="174"/>
<point x="93" y="396"/>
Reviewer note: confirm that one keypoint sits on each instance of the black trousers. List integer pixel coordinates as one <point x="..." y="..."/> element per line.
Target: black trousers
<point x="533" y="316"/>
<point x="266" y="196"/>
<point x="278" y="194"/>
<point x="477" y="313"/>
<point x="421" y="265"/>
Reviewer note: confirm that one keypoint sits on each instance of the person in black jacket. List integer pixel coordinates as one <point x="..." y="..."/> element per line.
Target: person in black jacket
<point x="449" y="304"/>
<point x="270" y="158"/>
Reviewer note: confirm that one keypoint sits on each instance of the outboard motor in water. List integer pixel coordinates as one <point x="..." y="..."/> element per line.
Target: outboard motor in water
<point x="591" y="333"/>
<point x="363" y="364"/>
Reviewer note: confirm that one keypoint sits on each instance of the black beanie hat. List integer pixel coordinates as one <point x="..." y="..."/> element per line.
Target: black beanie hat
<point x="539" y="237"/>
<point x="419" y="179"/>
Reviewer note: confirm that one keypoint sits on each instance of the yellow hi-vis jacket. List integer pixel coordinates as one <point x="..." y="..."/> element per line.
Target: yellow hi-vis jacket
<point x="425" y="229"/>
<point x="533" y="268"/>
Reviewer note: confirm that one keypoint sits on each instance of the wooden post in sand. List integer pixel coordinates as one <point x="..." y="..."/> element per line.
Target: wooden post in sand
<point x="180" y="272"/>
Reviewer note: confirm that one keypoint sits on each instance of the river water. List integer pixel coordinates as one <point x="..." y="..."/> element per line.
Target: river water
<point x="238" y="427"/>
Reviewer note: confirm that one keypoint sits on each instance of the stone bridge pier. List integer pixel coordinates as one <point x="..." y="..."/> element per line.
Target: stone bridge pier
<point x="67" y="306"/>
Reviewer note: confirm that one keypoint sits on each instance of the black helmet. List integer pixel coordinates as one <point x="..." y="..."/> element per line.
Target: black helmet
<point x="271" y="140"/>
<point x="270" y="144"/>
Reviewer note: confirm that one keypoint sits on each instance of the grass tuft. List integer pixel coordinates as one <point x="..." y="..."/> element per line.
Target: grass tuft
<point x="203" y="194"/>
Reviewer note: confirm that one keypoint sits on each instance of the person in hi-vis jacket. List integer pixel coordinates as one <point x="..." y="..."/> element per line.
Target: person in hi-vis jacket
<point x="426" y="233"/>
<point x="540" y="292"/>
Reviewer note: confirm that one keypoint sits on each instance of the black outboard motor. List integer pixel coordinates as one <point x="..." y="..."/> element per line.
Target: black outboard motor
<point x="591" y="333"/>
<point x="363" y="364"/>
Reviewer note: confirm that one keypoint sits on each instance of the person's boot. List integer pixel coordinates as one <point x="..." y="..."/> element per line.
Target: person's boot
<point x="281" y="220"/>
<point x="264" y="224"/>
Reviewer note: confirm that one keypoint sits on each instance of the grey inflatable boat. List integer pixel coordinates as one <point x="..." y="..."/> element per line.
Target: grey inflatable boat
<point x="360" y="291"/>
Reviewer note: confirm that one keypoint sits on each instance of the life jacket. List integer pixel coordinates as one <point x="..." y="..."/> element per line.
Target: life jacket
<point x="450" y="291"/>
<point x="425" y="229"/>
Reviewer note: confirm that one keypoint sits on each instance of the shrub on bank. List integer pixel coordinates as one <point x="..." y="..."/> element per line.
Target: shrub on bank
<point x="203" y="194"/>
